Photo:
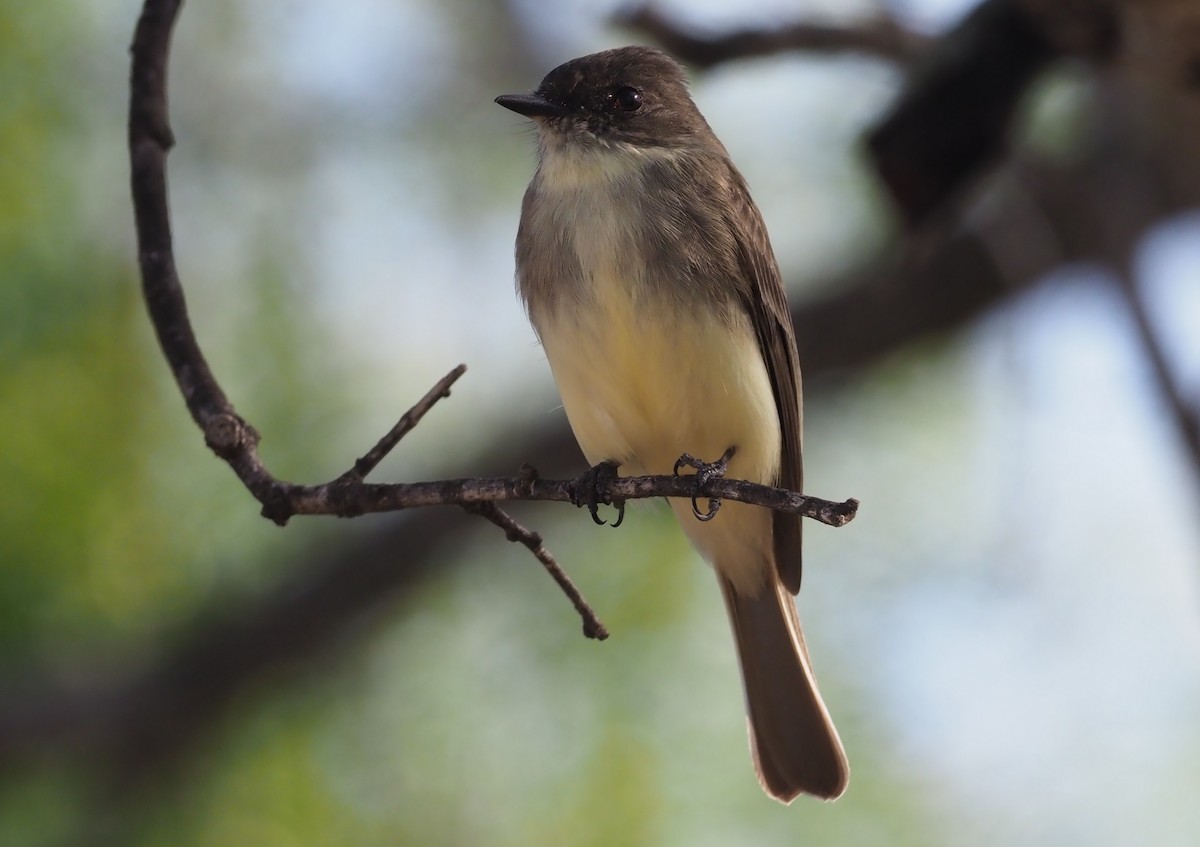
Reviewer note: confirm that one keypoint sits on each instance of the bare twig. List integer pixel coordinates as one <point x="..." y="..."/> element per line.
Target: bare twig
<point x="403" y="427"/>
<point x="880" y="36"/>
<point x="349" y="500"/>
<point x="515" y="532"/>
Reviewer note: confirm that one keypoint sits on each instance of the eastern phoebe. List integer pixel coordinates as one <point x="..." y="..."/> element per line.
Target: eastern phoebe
<point x="649" y="278"/>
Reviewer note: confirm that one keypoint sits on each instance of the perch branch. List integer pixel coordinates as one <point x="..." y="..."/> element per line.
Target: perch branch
<point x="348" y="500"/>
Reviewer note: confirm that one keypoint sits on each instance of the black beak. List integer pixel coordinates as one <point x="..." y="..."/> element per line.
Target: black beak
<point x="531" y="105"/>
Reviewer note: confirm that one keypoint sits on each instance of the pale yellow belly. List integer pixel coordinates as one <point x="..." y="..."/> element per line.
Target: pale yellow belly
<point x="640" y="389"/>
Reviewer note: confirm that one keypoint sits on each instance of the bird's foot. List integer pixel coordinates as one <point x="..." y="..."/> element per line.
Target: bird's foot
<point x="705" y="473"/>
<point x="591" y="489"/>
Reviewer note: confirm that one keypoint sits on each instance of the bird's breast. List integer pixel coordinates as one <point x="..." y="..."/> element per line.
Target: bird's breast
<point x="645" y="374"/>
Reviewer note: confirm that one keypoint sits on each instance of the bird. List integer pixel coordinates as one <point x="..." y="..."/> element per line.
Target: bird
<point x="649" y="278"/>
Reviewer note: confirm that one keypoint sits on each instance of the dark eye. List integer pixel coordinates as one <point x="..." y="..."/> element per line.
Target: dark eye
<point x="628" y="98"/>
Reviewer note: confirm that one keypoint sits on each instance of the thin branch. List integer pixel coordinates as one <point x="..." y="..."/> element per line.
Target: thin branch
<point x="403" y="427"/>
<point x="515" y="532"/>
<point x="349" y="500"/>
<point x="880" y="36"/>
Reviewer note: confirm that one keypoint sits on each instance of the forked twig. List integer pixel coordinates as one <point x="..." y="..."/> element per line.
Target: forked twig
<point x="515" y="532"/>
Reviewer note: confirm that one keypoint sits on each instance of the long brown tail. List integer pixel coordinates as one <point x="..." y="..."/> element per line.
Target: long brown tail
<point x="795" y="746"/>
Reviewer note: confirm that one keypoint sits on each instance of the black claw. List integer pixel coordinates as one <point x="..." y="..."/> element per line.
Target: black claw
<point x="686" y="459"/>
<point x="705" y="473"/>
<point x="713" y="506"/>
<point x="591" y="489"/>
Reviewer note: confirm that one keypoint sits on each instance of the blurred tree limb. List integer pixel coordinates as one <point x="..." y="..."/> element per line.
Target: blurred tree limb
<point x="1038" y="215"/>
<point x="880" y="36"/>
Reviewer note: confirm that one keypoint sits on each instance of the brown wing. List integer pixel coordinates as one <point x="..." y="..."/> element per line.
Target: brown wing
<point x="766" y="303"/>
